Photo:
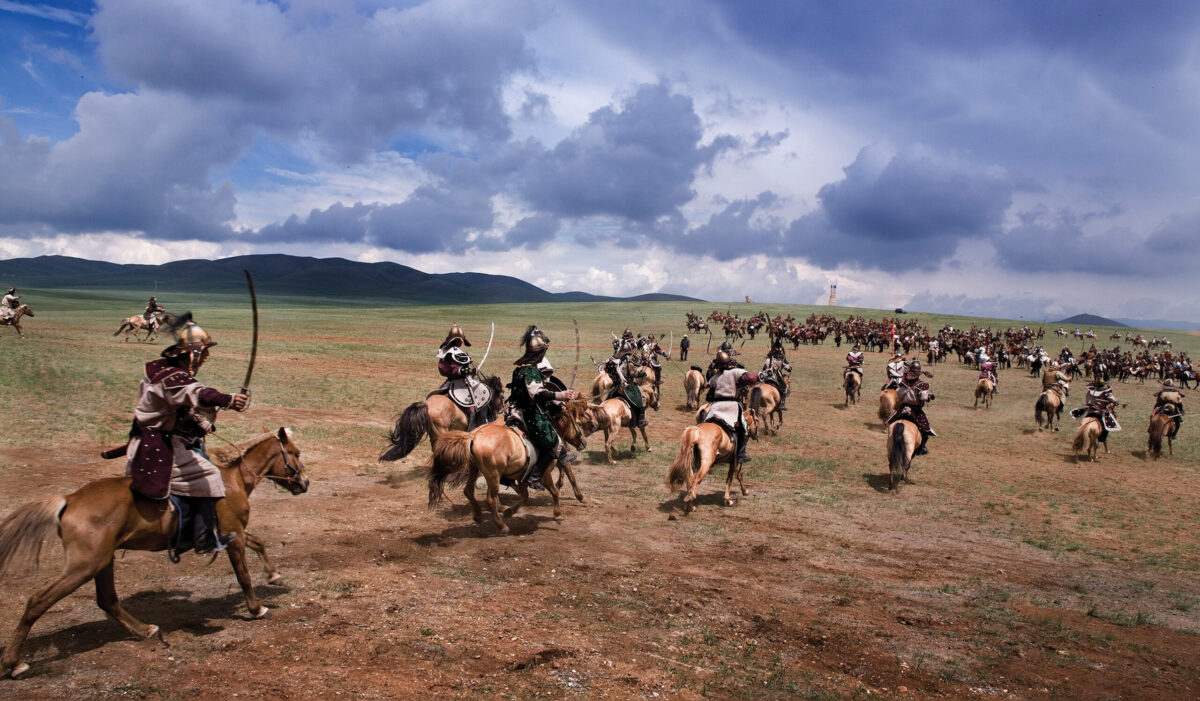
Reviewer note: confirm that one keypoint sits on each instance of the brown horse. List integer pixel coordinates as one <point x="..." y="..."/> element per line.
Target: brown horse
<point x="902" y="441"/>
<point x="136" y="324"/>
<point x="601" y="386"/>
<point x="1160" y="428"/>
<point x="693" y="382"/>
<point x="105" y="516"/>
<point x="1087" y="438"/>
<point x="1050" y="404"/>
<point x="435" y="416"/>
<point x="852" y="383"/>
<point x="763" y="400"/>
<point x="610" y="416"/>
<point x="887" y="404"/>
<point x="15" y="321"/>
<point x="984" y="389"/>
<point x="700" y="447"/>
<point x="497" y="451"/>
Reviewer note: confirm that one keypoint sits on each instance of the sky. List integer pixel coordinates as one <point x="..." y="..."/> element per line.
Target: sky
<point x="1015" y="159"/>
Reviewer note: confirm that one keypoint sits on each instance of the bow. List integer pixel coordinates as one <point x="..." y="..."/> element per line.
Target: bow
<point x="254" y="339"/>
<point x="489" y="348"/>
<point x="575" y="370"/>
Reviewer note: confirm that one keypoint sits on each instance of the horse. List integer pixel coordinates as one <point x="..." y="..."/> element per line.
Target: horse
<point x="764" y="402"/>
<point x="903" y="437"/>
<point x="601" y="385"/>
<point x="609" y="416"/>
<point x="1161" y="426"/>
<point x="887" y="404"/>
<point x="852" y="383"/>
<point x="497" y="451"/>
<point x="693" y="382"/>
<point x="435" y="416"/>
<point x="700" y="447"/>
<point x="1050" y="404"/>
<point x="105" y="516"/>
<point x="137" y="323"/>
<point x="1088" y="438"/>
<point x="984" y="390"/>
<point x="15" y="320"/>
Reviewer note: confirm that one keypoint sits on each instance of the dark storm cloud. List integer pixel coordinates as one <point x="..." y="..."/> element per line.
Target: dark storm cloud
<point x="338" y="223"/>
<point x="735" y="231"/>
<point x="637" y="163"/>
<point x="432" y="219"/>
<point x="911" y="213"/>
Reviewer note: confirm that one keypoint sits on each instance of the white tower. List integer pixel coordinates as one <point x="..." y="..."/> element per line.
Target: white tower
<point x="833" y="295"/>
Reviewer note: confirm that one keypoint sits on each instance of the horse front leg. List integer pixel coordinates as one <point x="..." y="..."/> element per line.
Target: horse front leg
<point x="645" y="441"/>
<point x="255" y="543"/>
<point x="571" y="477"/>
<point x="106" y="599"/>
<point x="609" y="437"/>
<point x="236" y="551"/>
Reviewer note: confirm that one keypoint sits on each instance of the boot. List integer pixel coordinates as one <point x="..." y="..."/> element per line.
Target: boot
<point x="639" y="416"/>
<point x="564" y="458"/>
<point x="741" y="439"/>
<point x="921" y="448"/>
<point x="205" y="537"/>
<point x="534" y="479"/>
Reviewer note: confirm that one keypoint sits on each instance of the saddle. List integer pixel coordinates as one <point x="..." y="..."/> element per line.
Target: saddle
<point x="470" y="395"/>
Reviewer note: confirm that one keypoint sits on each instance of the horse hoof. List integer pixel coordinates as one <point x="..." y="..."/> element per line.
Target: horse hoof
<point x="275" y="579"/>
<point x="263" y="613"/>
<point x="151" y="632"/>
<point x="729" y="502"/>
<point x="19" y="671"/>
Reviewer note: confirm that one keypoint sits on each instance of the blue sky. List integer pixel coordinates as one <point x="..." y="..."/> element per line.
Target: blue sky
<point x="1009" y="158"/>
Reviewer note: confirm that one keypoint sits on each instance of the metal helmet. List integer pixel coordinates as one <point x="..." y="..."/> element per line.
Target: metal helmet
<point x="913" y="369"/>
<point x="191" y="340"/>
<point x="455" y="337"/>
<point x="723" y="358"/>
<point x="535" y="342"/>
<point x="1168" y="382"/>
<point x="725" y="346"/>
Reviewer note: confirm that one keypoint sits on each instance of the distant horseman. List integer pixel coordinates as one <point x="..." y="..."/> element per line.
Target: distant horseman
<point x="9" y="304"/>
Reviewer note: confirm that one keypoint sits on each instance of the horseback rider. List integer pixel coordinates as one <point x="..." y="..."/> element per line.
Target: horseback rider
<point x="912" y="393"/>
<point x="622" y="370"/>
<point x="987" y="371"/>
<point x="174" y="413"/>
<point x="1098" y="401"/>
<point x="461" y="384"/>
<point x="723" y="395"/>
<point x="626" y="343"/>
<point x="530" y="403"/>
<point x="1169" y="394"/>
<point x="1054" y="379"/>
<point x="653" y="350"/>
<point x="895" y="371"/>
<point x="684" y="345"/>
<point x="725" y="347"/>
<point x="773" y="370"/>
<point x="854" y="362"/>
<point x="9" y="304"/>
<point x="152" y="308"/>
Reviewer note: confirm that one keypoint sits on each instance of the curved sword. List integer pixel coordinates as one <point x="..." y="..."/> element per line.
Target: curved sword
<point x="489" y="348"/>
<point x="254" y="339"/>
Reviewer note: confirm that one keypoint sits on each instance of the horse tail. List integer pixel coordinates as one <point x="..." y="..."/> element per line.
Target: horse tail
<point x="1080" y="438"/>
<point x="898" y="452"/>
<point x="1038" y="408"/>
<point x="410" y="427"/>
<point x="451" y="459"/>
<point x="121" y="328"/>
<point x="1157" y="430"/>
<point x="685" y="461"/>
<point x="22" y="531"/>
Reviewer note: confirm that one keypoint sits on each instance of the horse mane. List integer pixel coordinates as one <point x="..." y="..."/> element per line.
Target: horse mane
<point x="495" y="384"/>
<point x="227" y="459"/>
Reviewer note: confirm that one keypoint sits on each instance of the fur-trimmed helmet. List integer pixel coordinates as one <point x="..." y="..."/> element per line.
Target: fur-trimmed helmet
<point x="455" y="337"/>
<point x="190" y="339"/>
<point x="535" y="342"/>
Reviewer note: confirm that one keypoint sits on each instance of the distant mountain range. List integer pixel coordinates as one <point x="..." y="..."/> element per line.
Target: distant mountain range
<point x="1089" y="320"/>
<point x="284" y="275"/>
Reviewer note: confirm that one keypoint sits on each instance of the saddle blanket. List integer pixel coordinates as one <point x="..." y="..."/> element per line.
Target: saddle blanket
<point x="467" y="393"/>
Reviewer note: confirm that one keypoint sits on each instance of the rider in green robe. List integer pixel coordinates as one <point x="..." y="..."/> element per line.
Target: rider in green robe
<point x="533" y="401"/>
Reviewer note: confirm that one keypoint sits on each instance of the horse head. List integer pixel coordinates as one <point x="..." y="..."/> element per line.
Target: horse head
<point x="286" y="469"/>
<point x="24" y="310"/>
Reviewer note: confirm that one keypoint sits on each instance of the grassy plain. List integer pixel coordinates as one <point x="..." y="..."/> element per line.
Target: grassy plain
<point x="1007" y="570"/>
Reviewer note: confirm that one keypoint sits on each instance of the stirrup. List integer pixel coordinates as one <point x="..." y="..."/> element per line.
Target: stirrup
<point x="217" y="545"/>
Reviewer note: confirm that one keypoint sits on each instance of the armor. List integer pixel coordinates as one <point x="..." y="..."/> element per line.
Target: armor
<point x="531" y="402"/>
<point x="455" y="337"/>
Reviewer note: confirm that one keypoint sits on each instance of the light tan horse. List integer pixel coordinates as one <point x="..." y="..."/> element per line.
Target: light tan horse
<point x="984" y="389"/>
<point x="903" y="437"/>
<point x="700" y="447"/>
<point x="496" y="451"/>
<point x="763" y="400"/>
<point x="887" y="404"/>
<point x="1087" y="438"/>
<point x="693" y="382"/>
<point x="601" y="386"/>
<point x="1050" y="404"/>
<point x="1160" y="428"/>
<point x="137" y="323"/>
<point x="610" y="416"/>
<point x="435" y="416"/>
<point x="105" y="516"/>
<point x="15" y="321"/>
<point x="852" y="384"/>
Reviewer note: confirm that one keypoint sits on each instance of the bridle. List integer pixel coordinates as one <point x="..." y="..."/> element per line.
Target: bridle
<point x="294" y="471"/>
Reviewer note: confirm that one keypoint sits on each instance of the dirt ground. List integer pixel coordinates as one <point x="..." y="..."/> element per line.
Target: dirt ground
<point x="1005" y="571"/>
